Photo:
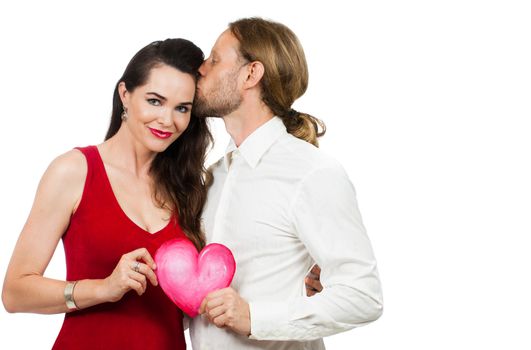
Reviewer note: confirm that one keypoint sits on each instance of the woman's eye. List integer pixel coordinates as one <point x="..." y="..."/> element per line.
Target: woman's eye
<point x="182" y="109"/>
<point x="153" y="101"/>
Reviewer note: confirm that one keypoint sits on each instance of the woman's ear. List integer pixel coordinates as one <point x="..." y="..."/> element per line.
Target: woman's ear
<point x="124" y="94"/>
<point x="255" y="72"/>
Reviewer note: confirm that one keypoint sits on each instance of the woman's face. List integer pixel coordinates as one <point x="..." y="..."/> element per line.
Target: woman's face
<point x="159" y="111"/>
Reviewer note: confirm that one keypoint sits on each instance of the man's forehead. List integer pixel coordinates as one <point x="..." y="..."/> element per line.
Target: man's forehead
<point x="226" y="44"/>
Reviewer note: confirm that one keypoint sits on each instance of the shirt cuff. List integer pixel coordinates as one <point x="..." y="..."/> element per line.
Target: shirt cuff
<point x="267" y="320"/>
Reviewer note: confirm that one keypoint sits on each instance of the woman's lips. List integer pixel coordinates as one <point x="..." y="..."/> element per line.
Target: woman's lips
<point x="159" y="133"/>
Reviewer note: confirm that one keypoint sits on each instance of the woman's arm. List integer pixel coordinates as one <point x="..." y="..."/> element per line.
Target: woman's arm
<point x="25" y="288"/>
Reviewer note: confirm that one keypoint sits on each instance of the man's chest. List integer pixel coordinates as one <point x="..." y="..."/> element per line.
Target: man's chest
<point x="251" y="208"/>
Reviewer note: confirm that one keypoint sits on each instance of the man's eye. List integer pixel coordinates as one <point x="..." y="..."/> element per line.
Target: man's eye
<point x="153" y="101"/>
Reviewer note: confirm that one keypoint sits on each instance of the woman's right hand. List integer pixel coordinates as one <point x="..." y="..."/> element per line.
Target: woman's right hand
<point x="313" y="281"/>
<point x="131" y="273"/>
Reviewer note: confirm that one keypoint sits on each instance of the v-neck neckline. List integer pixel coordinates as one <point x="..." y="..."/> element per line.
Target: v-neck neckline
<point x="119" y="207"/>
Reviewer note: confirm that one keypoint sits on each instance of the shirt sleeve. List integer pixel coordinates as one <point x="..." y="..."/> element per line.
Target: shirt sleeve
<point x="186" y="321"/>
<point x="327" y="220"/>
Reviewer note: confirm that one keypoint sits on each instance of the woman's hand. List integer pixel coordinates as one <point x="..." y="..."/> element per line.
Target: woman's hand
<point x="313" y="281"/>
<point x="131" y="273"/>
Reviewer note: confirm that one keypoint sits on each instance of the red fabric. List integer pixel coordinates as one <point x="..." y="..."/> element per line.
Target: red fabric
<point x="98" y="235"/>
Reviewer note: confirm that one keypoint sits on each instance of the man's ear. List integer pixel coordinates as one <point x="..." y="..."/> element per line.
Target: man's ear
<point x="255" y="72"/>
<point x="124" y="94"/>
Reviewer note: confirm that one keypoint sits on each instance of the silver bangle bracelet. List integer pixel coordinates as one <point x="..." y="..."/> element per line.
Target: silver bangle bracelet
<point x="69" y="296"/>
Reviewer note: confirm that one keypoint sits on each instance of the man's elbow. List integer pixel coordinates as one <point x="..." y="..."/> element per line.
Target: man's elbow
<point x="375" y="312"/>
<point x="368" y="313"/>
<point x="372" y="303"/>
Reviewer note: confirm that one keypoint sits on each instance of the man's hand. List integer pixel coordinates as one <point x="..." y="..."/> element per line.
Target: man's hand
<point x="313" y="282"/>
<point x="226" y="308"/>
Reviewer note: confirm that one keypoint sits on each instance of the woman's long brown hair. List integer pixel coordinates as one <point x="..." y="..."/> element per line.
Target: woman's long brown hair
<point x="179" y="171"/>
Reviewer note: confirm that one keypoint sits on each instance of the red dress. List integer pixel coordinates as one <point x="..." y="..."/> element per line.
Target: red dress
<point x="98" y="235"/>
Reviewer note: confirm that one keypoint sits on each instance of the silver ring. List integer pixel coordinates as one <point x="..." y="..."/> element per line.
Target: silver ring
<point x="136" y="268"/>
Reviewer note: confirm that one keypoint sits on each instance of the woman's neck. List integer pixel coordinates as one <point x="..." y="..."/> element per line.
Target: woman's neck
<point x="123" y="151"/>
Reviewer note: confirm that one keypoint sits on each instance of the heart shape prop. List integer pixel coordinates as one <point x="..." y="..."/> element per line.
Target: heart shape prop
<point x="187" y="277"/>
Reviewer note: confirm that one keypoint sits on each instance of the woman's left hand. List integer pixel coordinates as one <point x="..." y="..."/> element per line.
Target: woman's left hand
<point x="226" y="308"/>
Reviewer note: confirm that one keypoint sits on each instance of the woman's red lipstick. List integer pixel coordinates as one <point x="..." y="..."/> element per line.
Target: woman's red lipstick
<point x="159" y="133"/>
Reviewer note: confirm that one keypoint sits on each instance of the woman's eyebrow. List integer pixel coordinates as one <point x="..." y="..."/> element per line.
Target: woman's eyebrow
<point x="159" y="96"/>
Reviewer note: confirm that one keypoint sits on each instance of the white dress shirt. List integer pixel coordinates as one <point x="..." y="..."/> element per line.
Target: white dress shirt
<point x="281" y="205"/>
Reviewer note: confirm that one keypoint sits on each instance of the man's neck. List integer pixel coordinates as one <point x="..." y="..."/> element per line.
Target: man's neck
<point x="245" y="120"/>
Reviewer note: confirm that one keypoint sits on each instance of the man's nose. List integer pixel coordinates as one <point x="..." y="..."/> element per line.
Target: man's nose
<point x="202" y="69"/>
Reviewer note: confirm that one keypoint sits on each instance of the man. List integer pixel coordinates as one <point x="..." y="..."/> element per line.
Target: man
<point x="278" y="203"/>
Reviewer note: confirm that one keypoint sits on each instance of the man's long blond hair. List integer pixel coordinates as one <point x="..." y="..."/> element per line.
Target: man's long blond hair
<point x="285" y="72"/>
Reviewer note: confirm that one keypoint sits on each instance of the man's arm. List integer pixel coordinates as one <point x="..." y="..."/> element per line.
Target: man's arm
<point x="327" y="220"/>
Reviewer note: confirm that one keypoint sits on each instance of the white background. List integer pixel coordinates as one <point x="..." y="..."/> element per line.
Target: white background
<point x="428" y="108"/>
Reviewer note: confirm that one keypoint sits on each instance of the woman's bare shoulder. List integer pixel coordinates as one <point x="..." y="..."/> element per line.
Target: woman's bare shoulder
<point x="70" y="167"/>
<point x="65" y="176"/>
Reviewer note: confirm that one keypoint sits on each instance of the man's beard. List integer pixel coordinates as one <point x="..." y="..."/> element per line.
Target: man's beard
<point x="221" y="100"/>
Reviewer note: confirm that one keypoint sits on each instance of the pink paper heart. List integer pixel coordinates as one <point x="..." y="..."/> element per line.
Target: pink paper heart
<point x="187" y="277"/>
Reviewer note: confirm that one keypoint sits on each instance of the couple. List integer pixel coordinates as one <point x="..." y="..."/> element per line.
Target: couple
<point x="274" y="199"/>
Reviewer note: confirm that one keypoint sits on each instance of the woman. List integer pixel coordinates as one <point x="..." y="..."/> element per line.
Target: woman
<point x="113" y="205"/>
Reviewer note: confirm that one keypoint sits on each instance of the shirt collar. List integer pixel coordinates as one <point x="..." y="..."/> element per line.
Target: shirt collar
<point x="256" y="145"/>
